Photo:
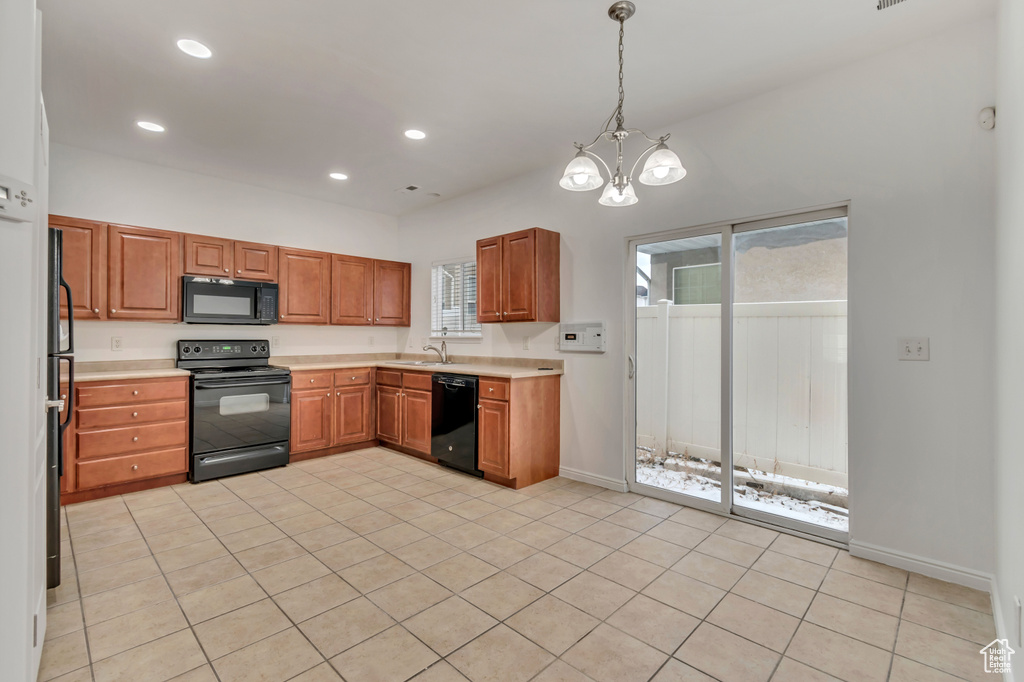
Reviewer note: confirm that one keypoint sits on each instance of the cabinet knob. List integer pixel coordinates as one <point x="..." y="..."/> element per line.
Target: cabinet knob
<point x="478" y="406"/>
<point x="96" y="310"/>
<point x="353" y="378"/>
<point x="312" y="381"/>
<point x="491" y="390"/>
<point x="226" y="270"/>
<point x="238" y="271"/>
<point x="135" y="414"/>
<point x="337" y="394"/>
<point x="369" y="320"/>
<point x="328" y="394"/>
<point x="135" y="392"/>
<point x="378" y="319"/>
<point x="113" y="310"/>
<point x="135" y="439"/>
<point x="135" y="467"/>
<point x="64" y="396"/>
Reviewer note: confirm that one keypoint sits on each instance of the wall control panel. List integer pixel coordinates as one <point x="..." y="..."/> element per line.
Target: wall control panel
<point x="16" y="201"/>
<point x="586" y="337"/>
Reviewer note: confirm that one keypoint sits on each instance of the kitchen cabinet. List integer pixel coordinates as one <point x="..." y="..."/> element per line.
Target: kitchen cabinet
<point x="389" y="414"/>
<point x="331" y="408"/>
<point x="416" y="420"/>
<point x="256" y="261"/>
<point x="144" y="274"/>
<point x="208" y="256"/>
<point x="392" y="283"/>
<point x="403" y="409"/>
<point x="492" y="437"/>
<point x="518" y="277"/>
<point x="305" y="287"/>
<point x="311" y="419"/>
<point x="353" y="406"/>
<point x="85" y="266"/>
<point x="351" y="290"/>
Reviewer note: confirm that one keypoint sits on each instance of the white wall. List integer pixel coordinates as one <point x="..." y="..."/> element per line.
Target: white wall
<point x="897" y="136"/>
<point x="1009" y="463"/>
<point x="86" y="184"/>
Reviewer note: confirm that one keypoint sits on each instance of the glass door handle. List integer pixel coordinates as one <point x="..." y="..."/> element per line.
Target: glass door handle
<point x="632" y="367"/>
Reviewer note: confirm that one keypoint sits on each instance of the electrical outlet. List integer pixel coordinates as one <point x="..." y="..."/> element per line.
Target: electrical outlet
<point x="275" y="342"/>
<point x="913" y="348"/>
<point x="526" y="343"/>
<point x="115" y="343"/>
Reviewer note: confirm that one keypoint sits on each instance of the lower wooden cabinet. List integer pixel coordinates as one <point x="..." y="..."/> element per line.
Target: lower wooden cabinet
<point x="311" y="419"/>
<point x="403" y="412"/>
<point x="352" y="414"/>
<point x="331" y="408"/>
<point x="389" y="414"/>
<point x="416" y="420"/>
<point x="492" y="437"/>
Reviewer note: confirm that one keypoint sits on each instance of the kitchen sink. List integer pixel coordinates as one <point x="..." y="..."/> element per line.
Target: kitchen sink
<point x="421" y="363"/>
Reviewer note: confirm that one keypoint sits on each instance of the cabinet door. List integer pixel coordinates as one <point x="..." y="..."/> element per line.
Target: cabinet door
<point x="144" y="274"/>
<point x="352" y="415"/>
<point x="416" y="420"/>
<point x="84" y="263"/>
<point x="208" y="256"/>
<point x="389" y="414"/>
<point x="351" y="290"/>
<point x="391" y="293"/>
<point x="311" y="420"/>
<point x="305" y="287"/>
<point x="492" y="438"/>
<point x="256" y="261"/>
<point x="488" y="280"/>
<point x="519" y="276"/>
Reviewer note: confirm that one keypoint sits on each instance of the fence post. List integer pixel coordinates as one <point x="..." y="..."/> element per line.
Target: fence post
<point x="659" y="376"/>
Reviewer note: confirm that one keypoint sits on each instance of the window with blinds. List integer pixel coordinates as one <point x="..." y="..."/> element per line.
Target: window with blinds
<point x="453" y="299"/>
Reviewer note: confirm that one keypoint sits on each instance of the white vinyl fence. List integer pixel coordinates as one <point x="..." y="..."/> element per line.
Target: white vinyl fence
<point x="789" y="385"/>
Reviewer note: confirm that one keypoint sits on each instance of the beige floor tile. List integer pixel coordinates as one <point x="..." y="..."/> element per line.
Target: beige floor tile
<point x="792" y="671"/>
<point x="101" y="580"/>
<point x="627" y="570"/>
<point x="291" y="573"/>
<point x="375" y="573"/>
<point x="473" y="509"/>
<point x="579" y="551"/>
<point x="448" y="625"/>
<point x="179" y="538"/>
<point x="839" y="655"/>
<point x="654" y="623"/>
<point x="503" y="521"/>
<point x="162" y="510"/>
<point x="253" y="537"/>
<point x="275" y="499"/>
<point x="348" y="553"/>
<point x="426" y="552"/>
<point x="733" y="551"/>
<point x="726" y="656"/>
<point x="938" y="650"/>
<point x="610" y="655"/>
<point x="544" y="571"/>
<point x="203" y="575"/>
<point x="133" y="629"/>
<point x="635" y="520"/>
<point x="504" y="497"/>
<point x="617" y="498"/>
<point x="501" y="595"/>
<point x="349" y="510"/>
<point x="790" y="568"/>
<point x="560" y="671"/>
<point x="710" y="570"/>
<point x="224" y="511"/>
<point x="594" y="507"/>
<point x="323" y="537"/>
<point x="62" y="655"/>
<point x="655" y="507"/>
<point x="413" y="509"/>
<point x="684" y="593"/>
<point x="392" y="655"/>
<point x="313" y="598"/>
<point x="161" y="660"/>
<point x="438" y="521"/>
<point x="756" y="622"/>
<point x="553" y="624"/>
<point x="597" y="596"/>
<point x="609" y="534"/>
<point x="408" y="596"/>
<point x="446" y="498"/>
<point x="82" y="675"/>
<point x="398" y="535"/>
<point x="304" y="522"/>
<point x="502" y="552"/>
<point x="372" y="522"/>
<point x="853" y="620"/>
<point x="699" y="519"/>
<point x="64" y="619"/>
<point x="535" y="509"/>
<point x="560" y="498"/>
<point x="779" y="594"/>
<point x="459" y="572"/>
<point x="327" y="500"/>
<point x="815" y="552"/>
<point x="468" y="535"/>
<point x="949" y="592"/>
<point x="345" y="626"/>
<point x="113" y="554"/>
<point x="906" y="670"/>
<point x="236" y="629"/>
<point x="568" y="520"/>
<point x="864" y="592"/>
<point x="678" y="533"/>
<point x="322" y="673"/>
<point x="218" y="599"/>
<point x="114" y="536"/>
<point x="391" y="498"/>
<point x="538" y="535"/>
<point x="279" y="657"/>
<point x="190" y="555"/>
<point x="500" y="655"/>
<point x="894" y="577"/>
<point x="748" y="533"/>
<point x="269" y="554"/>
<point x="677" y="671"/>
<point x="234" y="524"/>
<point x="654" y="550"/>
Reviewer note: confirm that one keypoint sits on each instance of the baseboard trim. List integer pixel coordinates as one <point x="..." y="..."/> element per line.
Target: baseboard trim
<point x="593" y="479"/>
<point x="918" y="564"/>
<point x="1002" y="631"/>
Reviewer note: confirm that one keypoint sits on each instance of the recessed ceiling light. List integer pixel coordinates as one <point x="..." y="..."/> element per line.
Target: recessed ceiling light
<point x="415" y="134"/>
<point x="151" y="127"/>
<point x="339" y="176"/>
<point x="194" y="48"/>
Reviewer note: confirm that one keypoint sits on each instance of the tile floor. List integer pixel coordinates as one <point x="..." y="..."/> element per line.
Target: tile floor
<point x="376" y="567"/>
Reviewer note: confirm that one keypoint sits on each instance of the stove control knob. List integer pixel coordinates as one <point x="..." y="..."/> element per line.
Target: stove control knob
<point x="186" y="350"/>
<point x="253" y="348"/>
<point x="197" y="349"/>
<point x="263" y="349"/>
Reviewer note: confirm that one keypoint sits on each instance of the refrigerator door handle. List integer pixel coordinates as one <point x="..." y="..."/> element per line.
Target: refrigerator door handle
<point x="69" y="404"/>
<point x="71" y="313"/>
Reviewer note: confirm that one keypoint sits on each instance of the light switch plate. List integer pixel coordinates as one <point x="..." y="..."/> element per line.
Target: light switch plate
<point x="913" y="348"/>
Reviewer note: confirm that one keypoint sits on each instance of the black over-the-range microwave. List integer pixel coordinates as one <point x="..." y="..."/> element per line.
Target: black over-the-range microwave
<point x="213" y="300"/>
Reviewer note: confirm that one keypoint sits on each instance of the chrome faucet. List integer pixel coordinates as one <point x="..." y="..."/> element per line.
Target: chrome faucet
<point x="442" y="351"/>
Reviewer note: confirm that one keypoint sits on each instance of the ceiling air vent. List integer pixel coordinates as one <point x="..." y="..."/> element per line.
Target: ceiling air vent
<point x="882" y="4"/>
<point x="409" y="189"/>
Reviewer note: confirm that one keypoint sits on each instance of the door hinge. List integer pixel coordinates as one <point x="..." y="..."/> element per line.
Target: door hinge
<point x="35" y="631"/>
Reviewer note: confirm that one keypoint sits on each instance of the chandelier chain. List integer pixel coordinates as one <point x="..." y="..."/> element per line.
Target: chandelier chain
<point x="619" y="119"/>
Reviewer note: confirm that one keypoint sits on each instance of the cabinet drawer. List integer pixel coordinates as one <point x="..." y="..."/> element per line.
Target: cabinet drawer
<point x="387" y="377"/>
<point x="351" y="377"/>
<point x="111" y="470"/>
<point x="130" y="392"/>
<point x="305" y="380"/>
<point x="416" y="381"/>
<point x="495" y="389"/>
<point x="96" y="444"/>
<point x="129" y="415"/>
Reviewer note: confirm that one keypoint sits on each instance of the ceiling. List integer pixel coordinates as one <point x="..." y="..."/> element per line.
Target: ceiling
<point x="301" y="88"/>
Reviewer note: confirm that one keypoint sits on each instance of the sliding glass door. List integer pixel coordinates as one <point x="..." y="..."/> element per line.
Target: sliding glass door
<point x="739" y="373"/>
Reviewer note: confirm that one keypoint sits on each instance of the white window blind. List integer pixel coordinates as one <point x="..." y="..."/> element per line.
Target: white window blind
<point x="453" y="299"/>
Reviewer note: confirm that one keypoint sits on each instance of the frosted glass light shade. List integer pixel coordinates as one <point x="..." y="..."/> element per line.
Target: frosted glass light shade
<point x="613" y="197"/>
<point x="581" y="174"/>
<point x="662" y="168"/>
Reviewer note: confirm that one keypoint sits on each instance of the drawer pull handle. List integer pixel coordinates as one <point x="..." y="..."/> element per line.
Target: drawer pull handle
<point x="135" y="467"/>
<point x="135" y="438"/>
<point x="135" y="414"/>
<point x="135" y="392"/>
<point x="491" y="390"/>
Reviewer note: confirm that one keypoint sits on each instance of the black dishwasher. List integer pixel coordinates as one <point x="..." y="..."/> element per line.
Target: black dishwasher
<point x="453" y="417"/>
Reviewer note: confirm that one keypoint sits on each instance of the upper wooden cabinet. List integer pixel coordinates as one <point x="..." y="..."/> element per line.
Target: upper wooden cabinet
<point x="518" y="277"/>
<point x="305" y="282"/>
<point x="256" y="261"/>
<point x="351" y="290"/>
<point x="208" y="256"/>
<point x="144" y="276"/>
<point x="85" y="266"/>
<point x="391" y="293"/>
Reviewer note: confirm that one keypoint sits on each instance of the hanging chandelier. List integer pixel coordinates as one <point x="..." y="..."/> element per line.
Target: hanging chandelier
<point x="662" y="167"/>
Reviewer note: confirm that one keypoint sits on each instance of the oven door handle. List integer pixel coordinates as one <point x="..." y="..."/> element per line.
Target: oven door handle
<point x="230" y="383"/>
